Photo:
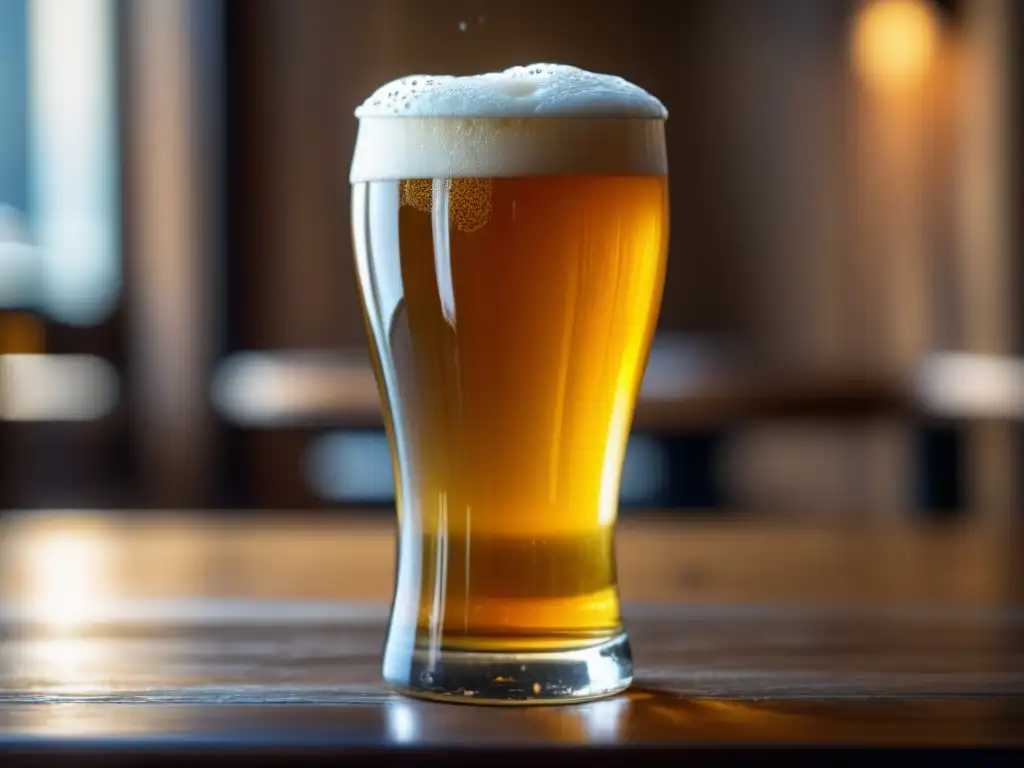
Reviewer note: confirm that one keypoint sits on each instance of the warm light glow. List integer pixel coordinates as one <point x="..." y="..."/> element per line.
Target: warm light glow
<point x="894" y="42"/>
<point x="68" y="665"/>
<point x="66" y="579"/>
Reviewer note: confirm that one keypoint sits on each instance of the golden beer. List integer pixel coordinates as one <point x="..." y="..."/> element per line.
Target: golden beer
<point x="510" y="316"/>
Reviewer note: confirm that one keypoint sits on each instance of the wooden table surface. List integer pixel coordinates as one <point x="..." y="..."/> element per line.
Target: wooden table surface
<point x="145" y="637"/>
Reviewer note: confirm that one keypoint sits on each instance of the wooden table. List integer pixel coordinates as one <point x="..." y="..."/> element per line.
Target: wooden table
<point x="148" y="638"/>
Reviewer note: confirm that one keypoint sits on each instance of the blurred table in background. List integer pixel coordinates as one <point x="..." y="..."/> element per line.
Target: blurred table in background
<point x="688" y="383"/>
<point x="730" y="430"/>
<point x="260" y="635"/>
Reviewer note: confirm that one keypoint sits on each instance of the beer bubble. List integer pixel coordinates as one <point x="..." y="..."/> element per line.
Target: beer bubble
<point x="416" y="193"/>
<point x="469" y="203"/>
<point x="469" y="200"/>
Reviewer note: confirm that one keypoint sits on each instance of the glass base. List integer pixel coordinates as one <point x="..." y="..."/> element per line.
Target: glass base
<point x="517" y="678"/>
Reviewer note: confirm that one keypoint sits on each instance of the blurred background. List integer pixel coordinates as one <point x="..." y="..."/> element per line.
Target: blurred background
<point x="841" y="333"/>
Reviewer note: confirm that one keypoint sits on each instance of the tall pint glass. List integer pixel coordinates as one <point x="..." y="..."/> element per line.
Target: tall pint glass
<point x="510" y="237"/>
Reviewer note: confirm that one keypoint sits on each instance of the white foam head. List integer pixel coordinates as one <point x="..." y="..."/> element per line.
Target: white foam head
<point x="538" y="119"/>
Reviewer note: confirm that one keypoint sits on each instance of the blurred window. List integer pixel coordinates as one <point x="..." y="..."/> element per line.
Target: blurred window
<point x="59" y="222"/>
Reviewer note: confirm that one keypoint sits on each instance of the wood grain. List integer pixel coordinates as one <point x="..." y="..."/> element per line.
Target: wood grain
<point x="266" y="635"/>
<point x="660" y="558"/>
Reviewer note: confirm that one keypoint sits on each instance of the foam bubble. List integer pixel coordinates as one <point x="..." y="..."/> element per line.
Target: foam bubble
<point x="537" y="119"/>
<point x="552" y="90"/>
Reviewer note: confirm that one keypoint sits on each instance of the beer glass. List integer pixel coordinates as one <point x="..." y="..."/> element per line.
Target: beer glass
<point x="510" y="237"/>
